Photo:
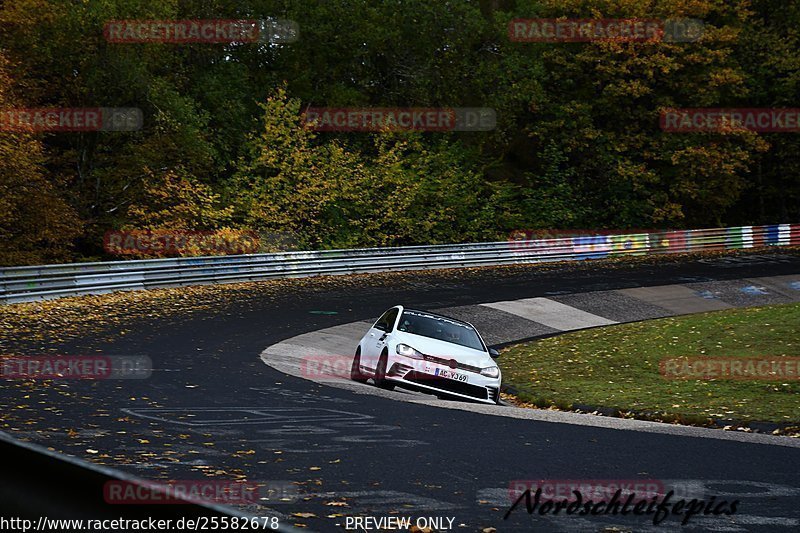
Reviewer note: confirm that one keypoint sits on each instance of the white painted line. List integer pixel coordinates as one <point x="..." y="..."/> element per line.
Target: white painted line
<point x="551" y="313"/>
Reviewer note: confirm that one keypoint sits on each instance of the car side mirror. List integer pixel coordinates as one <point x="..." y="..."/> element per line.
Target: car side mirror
<point x="494" y="353"/>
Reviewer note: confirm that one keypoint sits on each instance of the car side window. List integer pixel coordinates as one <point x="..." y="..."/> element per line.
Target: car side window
<point x="386" y="321"/>
<point x="391" y="318"/>
<point x="383" y="321"/>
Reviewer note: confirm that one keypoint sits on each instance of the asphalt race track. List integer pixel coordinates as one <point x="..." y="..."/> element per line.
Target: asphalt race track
<point x="213" y="409"/>
<point x="323" y="356"/>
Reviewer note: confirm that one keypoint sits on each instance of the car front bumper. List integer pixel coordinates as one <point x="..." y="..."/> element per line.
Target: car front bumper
<point x="423" y="375"/>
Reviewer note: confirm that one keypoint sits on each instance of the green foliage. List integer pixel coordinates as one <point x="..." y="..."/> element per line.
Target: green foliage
<point x="577" y="142"/>
<point x="406" y="192"/>
<point x="36" y="224"/>
<point x="176" y="200"/>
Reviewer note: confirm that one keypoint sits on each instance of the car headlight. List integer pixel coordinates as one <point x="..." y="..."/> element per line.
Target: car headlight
<point x="491" y="372"/>
<point x="408" y="351"/>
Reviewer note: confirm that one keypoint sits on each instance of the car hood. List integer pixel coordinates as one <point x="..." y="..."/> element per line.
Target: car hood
<point x="445" y="349"/>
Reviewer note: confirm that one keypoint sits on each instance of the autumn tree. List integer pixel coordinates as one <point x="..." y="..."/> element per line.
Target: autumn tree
<point x="36" y="224"/>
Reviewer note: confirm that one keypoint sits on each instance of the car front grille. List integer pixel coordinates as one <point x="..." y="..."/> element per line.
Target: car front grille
<point x="446" y="362"/>
<point x="449" y="385"/>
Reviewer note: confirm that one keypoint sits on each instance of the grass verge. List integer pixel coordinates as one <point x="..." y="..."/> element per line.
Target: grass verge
<point x="615" y="369"/>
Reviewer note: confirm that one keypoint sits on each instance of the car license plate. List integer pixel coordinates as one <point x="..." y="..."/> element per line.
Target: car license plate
<point x="449" y="374"/>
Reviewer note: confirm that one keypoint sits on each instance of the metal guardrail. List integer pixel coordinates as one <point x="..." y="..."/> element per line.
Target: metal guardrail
<point x="31" y="283"/>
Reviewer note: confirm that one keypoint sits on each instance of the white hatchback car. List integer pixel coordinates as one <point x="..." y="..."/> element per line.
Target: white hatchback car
<point x="430" y="353"/>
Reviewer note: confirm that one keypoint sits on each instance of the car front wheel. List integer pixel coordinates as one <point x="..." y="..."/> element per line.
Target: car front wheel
<point x="355" y="370"/>
<point x="380" y="372"/>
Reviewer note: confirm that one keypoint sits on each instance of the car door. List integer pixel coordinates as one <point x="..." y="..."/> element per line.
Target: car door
<point x="376" y="338"/>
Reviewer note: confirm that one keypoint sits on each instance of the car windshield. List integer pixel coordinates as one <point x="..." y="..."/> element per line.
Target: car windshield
<point x="441" y="328"/>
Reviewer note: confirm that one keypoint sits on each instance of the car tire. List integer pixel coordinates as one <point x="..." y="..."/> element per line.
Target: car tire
<point x="355" y="370"/>
<point x="380" y="372"/>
